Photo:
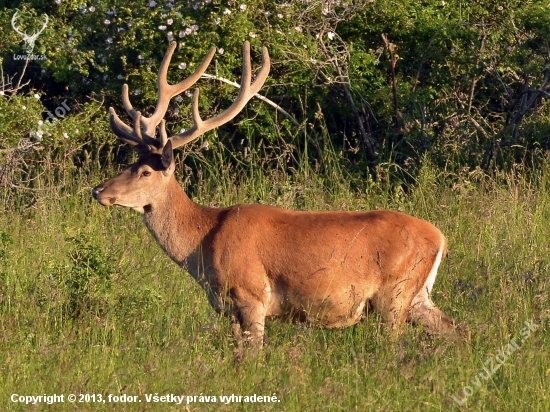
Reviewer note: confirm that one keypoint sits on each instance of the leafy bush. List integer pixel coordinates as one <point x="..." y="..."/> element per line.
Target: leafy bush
<point x="464" y="83"/>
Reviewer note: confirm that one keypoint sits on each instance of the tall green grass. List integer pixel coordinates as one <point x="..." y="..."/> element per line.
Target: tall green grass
<point x="89" y="304"/>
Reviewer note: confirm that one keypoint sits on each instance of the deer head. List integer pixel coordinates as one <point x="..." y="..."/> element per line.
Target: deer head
<point x="155" y="166"/>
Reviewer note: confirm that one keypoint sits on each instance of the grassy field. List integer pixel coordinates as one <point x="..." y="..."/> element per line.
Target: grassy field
<point x="89" y="304"/>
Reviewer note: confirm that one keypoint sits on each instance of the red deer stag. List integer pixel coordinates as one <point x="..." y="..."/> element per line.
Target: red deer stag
<point x="258" y="261"/>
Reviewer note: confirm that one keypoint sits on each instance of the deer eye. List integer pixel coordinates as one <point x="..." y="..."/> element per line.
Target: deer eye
<point x="146" y="173"/>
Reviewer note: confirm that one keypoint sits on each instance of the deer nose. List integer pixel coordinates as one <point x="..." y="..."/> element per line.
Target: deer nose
<point x="96" y="191"/>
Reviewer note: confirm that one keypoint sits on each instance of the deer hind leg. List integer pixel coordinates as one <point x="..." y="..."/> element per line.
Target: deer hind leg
<point x="393" y="303"/>
<point x="423" y="311"/>
<point x="435" y="322"/>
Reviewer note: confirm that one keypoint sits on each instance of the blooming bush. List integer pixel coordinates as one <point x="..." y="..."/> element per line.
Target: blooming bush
<point x="382" y="81"/>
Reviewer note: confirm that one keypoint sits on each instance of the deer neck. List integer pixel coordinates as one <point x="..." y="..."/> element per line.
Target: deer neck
<point x="178" y="224"/>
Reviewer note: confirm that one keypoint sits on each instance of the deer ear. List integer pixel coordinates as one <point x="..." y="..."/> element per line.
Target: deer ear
<point x="168" y="158"/>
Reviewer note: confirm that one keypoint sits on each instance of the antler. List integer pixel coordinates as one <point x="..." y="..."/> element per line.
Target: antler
<point x="15" y="28"/>
<point x="247" y="90"/>
<point x="144" y="128"/>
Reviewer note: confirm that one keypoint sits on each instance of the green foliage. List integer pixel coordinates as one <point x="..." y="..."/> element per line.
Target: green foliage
<point x="461" y="69"/>
<point x="90" y="277"/>
<point x="5" y="241"/>
<point x="83" y="286"/>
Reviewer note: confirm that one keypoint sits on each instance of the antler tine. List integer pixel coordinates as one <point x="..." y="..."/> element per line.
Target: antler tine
<point x="165" y="91"/>
<point x="132" y="136"/>
<point x="123" y="131"/>
<point x="247" y="91"/>
<point x="143" y="136"/>
<point x="126" y="102"/>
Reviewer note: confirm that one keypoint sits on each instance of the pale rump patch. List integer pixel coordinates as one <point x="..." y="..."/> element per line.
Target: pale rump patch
<point x="433" y="273"/>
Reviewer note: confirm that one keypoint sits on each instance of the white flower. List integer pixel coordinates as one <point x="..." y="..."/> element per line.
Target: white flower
<point x="129" y="24"/>
<point x="217" y="21"/>
<point x="176" y="110"/>
<point x="298" y="28"/>
<point x="92" y="9"/>
<point x="107" y="21"/>
<point x="169" y="21"/>
<point x="221" y="50"/>
<point x="137" y="91"/>
<point x="109" y="40"/>
<point x="170" y="36"/>
<point x="57" y="1"/>
<point x="24" y="107"/>
<point x="182" y="131"/>
<point x="40" y="123"/>
<point x="205" y="146"/>
<point x="243" y="7"/>
<point x="140" y="57"/>
<point x="330" y="35"/>
<point x="65" y="135"/>
<point x="39" y="134"/>
<point x="88" y="29"/>
<point x="182" y="66"/>
<point x="152" y="4"/>
<point x="178" y="98"/>
<point x="227" y="11"/>
<point x="194" y="27"/>
<point x="251" y="34"/>
<point x="2" y="93"/>
<point x="162" y="27"/>
<point x="280" y="15"/>
<point x="36" y="96"/>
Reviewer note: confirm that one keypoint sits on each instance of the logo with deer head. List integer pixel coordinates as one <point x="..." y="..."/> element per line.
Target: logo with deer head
<point x="28" y="39"/>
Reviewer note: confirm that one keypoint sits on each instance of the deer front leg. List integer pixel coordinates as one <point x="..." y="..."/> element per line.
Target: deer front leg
<point x="248" y="324"/>
<point x="236" y="329"/>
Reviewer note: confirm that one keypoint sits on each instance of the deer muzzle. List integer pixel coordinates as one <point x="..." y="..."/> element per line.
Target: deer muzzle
<point x="96" y="194"/>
